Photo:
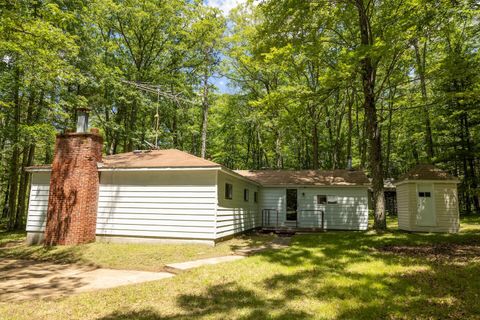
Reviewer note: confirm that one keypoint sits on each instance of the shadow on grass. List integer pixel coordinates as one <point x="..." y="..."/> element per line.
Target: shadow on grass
<point x="341" y="275"/>
<point x="13" y="246"/>
<point x="27" y="280"/>
<point x="251" y="240"/>
<point x="59" y="254"/>
<point x="219" y="301"/>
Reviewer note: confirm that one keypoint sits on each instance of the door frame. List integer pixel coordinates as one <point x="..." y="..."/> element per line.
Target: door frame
<point x="286" y="204"/>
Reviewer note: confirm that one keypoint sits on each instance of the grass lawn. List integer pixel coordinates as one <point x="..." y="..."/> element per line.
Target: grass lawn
<point x="146" y="257"/>
<point x="333" y="275"/>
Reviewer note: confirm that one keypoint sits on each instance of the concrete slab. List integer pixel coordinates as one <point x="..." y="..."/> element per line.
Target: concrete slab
<point x="110" y="278"/>
<point x="25" y="280"/>
<point x="202" y="262"/>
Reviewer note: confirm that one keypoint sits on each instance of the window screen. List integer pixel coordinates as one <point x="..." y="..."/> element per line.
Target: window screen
<point x="228" y="191"/>
<point x="245" y="194"/>
<point x="255" y="197"/>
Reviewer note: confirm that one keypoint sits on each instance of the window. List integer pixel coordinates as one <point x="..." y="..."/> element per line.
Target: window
<point x="332" y="200"/>
<point x="228" y="191"/>
<point x="245" y="194"/>
<point x="424" y="194"/>
<point x="321" y="199"/>
<point x="255" y="197"/>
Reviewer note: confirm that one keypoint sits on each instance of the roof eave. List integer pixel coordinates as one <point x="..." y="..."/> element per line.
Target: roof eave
<point x="426" y="180"/>
<point x="315" y="185"/>
<point x="238" y="175"/>
<point x="35" y="169"/>
<point x="102" y="168"/>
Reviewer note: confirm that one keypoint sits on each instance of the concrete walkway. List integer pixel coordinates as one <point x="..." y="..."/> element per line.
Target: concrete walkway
<point x="25" y="280"/>
<point x="202" y="262"/>
<point x="277" y="243"/>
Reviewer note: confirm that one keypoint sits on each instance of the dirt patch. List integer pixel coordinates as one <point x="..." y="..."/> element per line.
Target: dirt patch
<point x="456" y="252"/>
<point x="26" y="279"/>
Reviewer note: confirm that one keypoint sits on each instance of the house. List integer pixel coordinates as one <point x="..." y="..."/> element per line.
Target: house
<point x="164" y="195"/>
<point x="326" y="199"/>
<point x="427" y="200"/>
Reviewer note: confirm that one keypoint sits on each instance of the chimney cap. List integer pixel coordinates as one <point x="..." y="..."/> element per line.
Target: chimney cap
<point x="85" y="109"/>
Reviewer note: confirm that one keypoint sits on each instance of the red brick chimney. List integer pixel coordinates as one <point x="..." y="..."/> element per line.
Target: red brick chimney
<point x="74" y="182"/>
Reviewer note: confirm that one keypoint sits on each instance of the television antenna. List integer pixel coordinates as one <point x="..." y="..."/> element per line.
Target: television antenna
<point x="160" y="92"/>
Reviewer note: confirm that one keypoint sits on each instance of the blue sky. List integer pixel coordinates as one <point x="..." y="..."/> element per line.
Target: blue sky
<point x="225" y="5"/>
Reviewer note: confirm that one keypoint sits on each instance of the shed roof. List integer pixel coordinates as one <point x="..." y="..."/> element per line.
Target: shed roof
<point x="306" y="177"/>
<point x="426" y="172"/>
<point x="170" y="158"/>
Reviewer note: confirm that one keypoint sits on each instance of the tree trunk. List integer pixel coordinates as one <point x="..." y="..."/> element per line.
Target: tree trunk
<point x="420" y="60"/>
<point x="20" y="220"/>
<point x="471" y="164"/>
<point x="389" y="141"/>
<point x="204" y="115"/>
<point x="12" y="197"/>
<point x="315" y="145"/>
<point x="368" y="72"/>
<point x="350" y="130"/>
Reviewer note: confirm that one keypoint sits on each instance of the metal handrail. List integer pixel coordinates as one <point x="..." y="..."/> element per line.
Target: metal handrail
<point x="314" y="210"/>
<point x="266" y="217"/>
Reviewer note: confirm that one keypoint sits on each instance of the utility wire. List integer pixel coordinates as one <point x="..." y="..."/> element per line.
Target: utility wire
<point x="157" y="89"/>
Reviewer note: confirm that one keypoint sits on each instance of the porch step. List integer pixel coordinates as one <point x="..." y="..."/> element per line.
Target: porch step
<point x="281" y="230"/>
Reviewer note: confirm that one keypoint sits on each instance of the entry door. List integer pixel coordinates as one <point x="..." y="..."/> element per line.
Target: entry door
<point x="425" y="206"/>
<point x="292" y="204"/>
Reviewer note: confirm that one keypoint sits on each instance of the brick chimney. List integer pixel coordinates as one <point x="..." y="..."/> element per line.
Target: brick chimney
<point x="74" y="182"/>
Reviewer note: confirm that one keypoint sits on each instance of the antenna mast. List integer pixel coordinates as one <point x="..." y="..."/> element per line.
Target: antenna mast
<point x="157" y="89"/>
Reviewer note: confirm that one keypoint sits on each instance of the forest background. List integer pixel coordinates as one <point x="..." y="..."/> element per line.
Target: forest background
<point x="311" y="85"/>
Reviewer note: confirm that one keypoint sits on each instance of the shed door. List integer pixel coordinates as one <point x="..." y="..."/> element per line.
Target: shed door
<point x="425" y="206"/>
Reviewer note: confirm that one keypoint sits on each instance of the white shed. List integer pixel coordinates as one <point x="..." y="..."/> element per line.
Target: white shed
<point x="427" y="200"/>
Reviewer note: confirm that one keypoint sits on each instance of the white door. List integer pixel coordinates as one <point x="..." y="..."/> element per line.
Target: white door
<point x="425" y="206"/>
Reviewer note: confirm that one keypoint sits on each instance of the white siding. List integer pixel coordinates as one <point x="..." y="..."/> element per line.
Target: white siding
<point x="274" y="199"/>
<point x="38" y="202"/>
<point x="236" y="215"/>
<point x="446" y="207"/>
<point x="164" y="204"/>
<point x="350" y="212"/>
<point x="404" y="194"/>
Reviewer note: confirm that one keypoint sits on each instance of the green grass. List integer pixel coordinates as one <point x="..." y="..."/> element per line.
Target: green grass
<point x="333" y="275"/>
<point x="147" y="257"/>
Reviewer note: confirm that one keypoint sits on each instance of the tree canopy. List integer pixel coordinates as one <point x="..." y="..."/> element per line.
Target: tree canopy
<point x="382" y="85"/>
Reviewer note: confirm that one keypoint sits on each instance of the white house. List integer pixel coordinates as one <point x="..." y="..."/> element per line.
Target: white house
<point x="164" y="195"/>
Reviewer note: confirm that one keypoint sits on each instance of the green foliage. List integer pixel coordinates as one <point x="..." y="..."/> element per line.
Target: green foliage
<point x="295" y="68"/>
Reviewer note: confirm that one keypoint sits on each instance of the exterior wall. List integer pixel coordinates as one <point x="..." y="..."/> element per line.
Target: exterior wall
<point x="37" y="207"/>
<point x="446" y="207"/>
<point x="405" y="193"/>
<point x="73" y="193"/>
<point x="236" y="215"/>
<point x="276" y="199"/>
<point x="446" y="204"/>
<point x="157" y="204"/>
<point x="350" y="212"/>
